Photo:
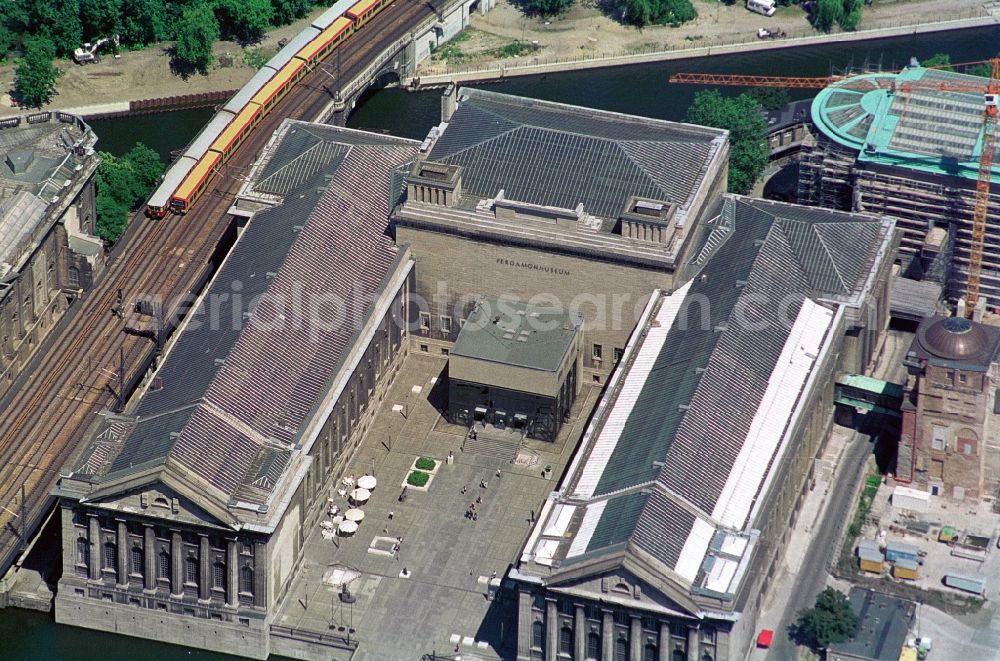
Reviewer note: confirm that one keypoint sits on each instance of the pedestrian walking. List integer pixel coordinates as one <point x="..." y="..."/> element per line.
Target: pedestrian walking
<point x="465" y="488"/>
<point x="479" y="500"/>
<point x="391" y="513"/>
<point x="498" y="473"/>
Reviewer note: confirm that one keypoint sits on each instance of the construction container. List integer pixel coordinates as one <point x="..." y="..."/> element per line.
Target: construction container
<point x="869" y="556"/>
<point x="947" y="534"/>
<point x="900" y="551"/>
<point x="905" y="498"/>
<point x="967" y="583"/>
<point x="908" y="654"/>
<point x="907" y="569"/>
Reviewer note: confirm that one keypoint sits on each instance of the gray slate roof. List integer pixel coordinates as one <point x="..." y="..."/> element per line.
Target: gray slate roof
<point x="693" y="414"/>
<point x="238" y="385"/>
<point x="517" y="334"/>
<point x="883" y="625"/>
<point x="556" y="155"/>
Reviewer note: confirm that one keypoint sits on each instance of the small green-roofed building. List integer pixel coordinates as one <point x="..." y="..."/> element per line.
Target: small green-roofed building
<point x="515" y="365"/>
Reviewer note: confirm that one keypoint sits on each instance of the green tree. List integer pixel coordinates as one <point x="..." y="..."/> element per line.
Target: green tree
<point x="286" y="11"/>
<point x="656" y="12"/>
<point x="851" y="16"/>
<point x="101" y="18"/>
<point x="543" y="7"/>
<point x="196" y="32"/>
<point x="143" y="22"/>
<point x="123" y="182"/>
<point x="67" y="32"/>
<point x="984" y="70"/>
<point x="829" y="621"/>
<point x="244" y="20"/>
<point x="770" y="98"/>
<point x="826" y="13"/>
<point x="940" y="60"/>
<point x="35" y="76"/>
<point x="741" y="116"/>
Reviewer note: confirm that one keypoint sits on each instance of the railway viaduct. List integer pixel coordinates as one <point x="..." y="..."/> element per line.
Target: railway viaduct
<point x="90" y="361"/>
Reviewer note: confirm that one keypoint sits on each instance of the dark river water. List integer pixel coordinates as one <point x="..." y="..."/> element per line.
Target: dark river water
<point x="639" y="90"/>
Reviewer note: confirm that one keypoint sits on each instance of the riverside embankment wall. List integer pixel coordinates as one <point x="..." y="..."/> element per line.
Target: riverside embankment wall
<point x="529" y="66"/>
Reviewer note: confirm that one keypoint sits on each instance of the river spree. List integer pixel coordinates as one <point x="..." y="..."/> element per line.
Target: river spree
<point x="640" y="89"/>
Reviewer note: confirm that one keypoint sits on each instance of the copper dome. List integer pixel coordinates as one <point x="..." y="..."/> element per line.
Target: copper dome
<point x="955" y="338"/>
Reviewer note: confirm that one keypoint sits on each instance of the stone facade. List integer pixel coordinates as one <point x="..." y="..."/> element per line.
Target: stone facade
<point x="150" y="562"/>
<point x="947" y="411"/>
<point x="50" y="256"/>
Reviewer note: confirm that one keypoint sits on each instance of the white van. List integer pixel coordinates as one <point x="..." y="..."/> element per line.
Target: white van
<point x="765" y="7"/>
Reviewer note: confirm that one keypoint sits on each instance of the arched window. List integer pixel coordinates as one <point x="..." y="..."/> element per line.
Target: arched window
<point x="191" y="570"/>
<point x="82" y="551"/>
<point x="566" y="641"/>
<point x="110" y="555"/>
<point x="246" y="580"/>
<point x="649" y="652"/>
<point x="163" y="566"/>
<point x="538" y="635"/>
<point x="594" y="646"/>
<point x="621" y="648"/>
<point x="219" y="576"/>
<point x="160" y="501"/>
<point x="137" y="560"/>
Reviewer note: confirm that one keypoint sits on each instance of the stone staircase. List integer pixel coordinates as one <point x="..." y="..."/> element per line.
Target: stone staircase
<point x="500" y="444"/>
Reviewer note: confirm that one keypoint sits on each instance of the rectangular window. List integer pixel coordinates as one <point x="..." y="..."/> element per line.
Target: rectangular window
<point x="163" y="566"/>
<point x="82" y="551"/>
<point x="939" y="438"/>
<point x="445" y="324"/>
<point x="425" y="321"/>
<point x="110" y="556"/>
<point x="137" y="560"/>
<point x="597" y="352"/>
<point x="219" y="576"/>
<point x="708" y="636"/>
<point x="618" y="351"/>
<point x="246" y="580"/>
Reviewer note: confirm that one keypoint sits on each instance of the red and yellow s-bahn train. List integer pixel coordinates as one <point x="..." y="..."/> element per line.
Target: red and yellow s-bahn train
<point x="188" y="176"/>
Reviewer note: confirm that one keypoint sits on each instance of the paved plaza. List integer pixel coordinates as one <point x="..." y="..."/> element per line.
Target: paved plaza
<point x="443" y="602"/>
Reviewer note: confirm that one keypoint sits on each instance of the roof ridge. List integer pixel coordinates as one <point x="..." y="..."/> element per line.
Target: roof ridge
<point x="830" y="255"/>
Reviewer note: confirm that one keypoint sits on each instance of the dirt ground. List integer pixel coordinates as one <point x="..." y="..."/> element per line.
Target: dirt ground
<point x="146" y="74"/>
<point x="584" y="31"/>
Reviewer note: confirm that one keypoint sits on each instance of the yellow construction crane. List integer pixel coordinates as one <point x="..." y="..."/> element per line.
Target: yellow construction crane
<point x="991" y="96"/>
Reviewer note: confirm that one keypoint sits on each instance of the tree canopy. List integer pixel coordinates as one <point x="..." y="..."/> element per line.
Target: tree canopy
<point x="939" y="60"/>
<point x="543" y="7"/>
<point x="35" y="76"/>
<point x="655" y="12"/>
<point x="123" y="182"/>
<point x="741" y="116"/>
<point x="829" y="621"/>
<point x="196" y="32"/>
<point x="244" y="20"/>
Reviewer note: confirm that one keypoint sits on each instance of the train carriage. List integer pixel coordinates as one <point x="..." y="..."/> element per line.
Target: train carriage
<point x="327" y="18"/>
<point x="232" y="124"/>
<point x="242" y="97"/>
<point x="330" y="38"/>
<point x="237" y="131"/>
<point x="204" y="140"/>
<point x="175" y="174"/>
<point x="276" y="88"/>
<point x="286" y="54"/>
<point x="194" y="183"/>
<point x="362" y="11"/>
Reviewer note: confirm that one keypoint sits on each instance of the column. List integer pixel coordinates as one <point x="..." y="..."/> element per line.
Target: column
<point x="233" y="574"/>
<point x="692" y="643"/>
<point x="608" y="636"/>
<point x="580" y="633"/>
<point x="94" y="536"/>
<point x="122" y="554"/>
<point x="149" y="548"/>
<point x="524" y="624"/>
<point x="176" y="564"/>
<point x="635" y="639"/>
<point x="663" y="646"/>
<point x="551" y="630"/>
<point x="204" y="569"/>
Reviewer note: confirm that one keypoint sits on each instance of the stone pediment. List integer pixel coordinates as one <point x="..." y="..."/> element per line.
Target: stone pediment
<point x="158" y="501"/>
<point x="624" y="587"/>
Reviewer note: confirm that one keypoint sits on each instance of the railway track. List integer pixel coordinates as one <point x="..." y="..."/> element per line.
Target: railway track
<point x="45" y="415"/>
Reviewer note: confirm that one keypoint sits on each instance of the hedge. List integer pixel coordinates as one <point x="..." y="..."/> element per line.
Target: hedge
<point x="418" y="478"/>
<point x="425" y="464"/>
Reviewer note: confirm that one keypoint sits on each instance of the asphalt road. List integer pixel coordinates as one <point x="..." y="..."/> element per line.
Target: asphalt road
<point x="813" y="573"/>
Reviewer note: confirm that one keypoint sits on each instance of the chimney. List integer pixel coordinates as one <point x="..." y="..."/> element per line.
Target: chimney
<point x="449" y="102"/>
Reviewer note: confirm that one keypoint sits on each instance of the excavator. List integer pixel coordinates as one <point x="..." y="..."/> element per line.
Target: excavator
<point x="87" y="54"/>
